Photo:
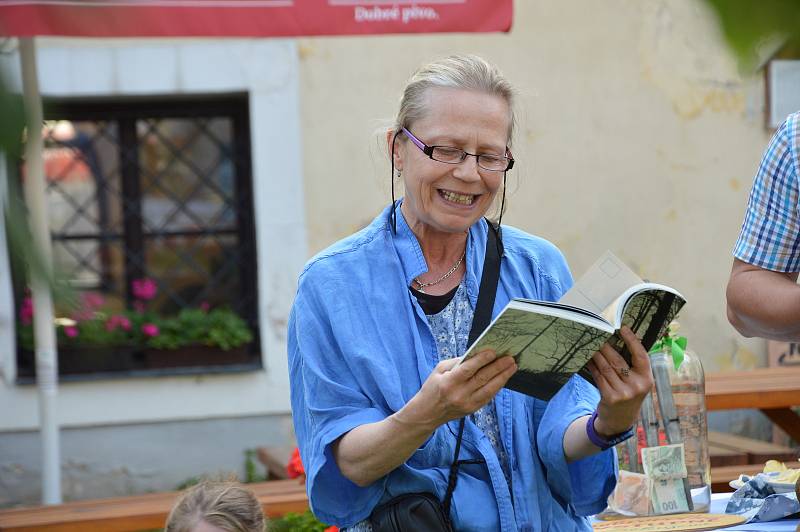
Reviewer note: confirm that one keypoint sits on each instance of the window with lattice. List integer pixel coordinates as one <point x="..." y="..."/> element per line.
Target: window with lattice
<point x="151" y="219"/>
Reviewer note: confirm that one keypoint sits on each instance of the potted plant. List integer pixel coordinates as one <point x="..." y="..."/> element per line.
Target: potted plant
<point x="199" y="337"/>
<point x="94" y="338"/>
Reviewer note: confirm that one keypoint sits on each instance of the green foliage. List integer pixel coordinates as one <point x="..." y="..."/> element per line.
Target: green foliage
<point x="251" y="473"/>
<point x="748" y="23"/>
<point x="305" y="522"/>
<point x="12" y="111"/>
<point x="220" y="327"/>
<point x="23" y="253"/>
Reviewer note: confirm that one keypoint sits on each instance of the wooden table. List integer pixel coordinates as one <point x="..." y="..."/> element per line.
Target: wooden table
<point x="772" y="390"/>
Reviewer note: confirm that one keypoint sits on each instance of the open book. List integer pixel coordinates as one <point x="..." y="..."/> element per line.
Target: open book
<point x="552" y="341"/>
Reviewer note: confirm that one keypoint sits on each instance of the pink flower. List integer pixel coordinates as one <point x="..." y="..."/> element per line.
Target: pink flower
<point x="150" y="329"/>
<point x="204" y="306"/>
<point x="26" y="311"/>
<point x="71" y="331"/>
<point x="118" y="321"/>
<point x="92" y="300"/>
<point x="144" y="289"/>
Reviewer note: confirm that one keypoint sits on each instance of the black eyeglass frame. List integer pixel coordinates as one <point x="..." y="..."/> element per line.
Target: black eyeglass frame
<point x="428" y="150"/>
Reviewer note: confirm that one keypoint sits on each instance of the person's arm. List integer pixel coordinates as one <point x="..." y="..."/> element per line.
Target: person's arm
<point x="621" y="395"/>
<point x="763" y="302"/>
<point x="453" y="390"/>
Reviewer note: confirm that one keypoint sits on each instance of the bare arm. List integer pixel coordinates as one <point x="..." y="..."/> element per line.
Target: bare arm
<point x="763" y="302"/>
<point x="621" y="396"/>
<point x="370" y="451"/>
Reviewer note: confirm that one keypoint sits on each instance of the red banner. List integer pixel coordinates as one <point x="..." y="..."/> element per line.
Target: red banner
<point x="249" y="18"/>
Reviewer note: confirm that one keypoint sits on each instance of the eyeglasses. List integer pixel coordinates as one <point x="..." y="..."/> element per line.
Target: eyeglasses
<point x="450" y="155"/>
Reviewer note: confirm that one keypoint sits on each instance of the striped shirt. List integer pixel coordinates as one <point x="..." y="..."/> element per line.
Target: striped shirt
<point x="770" y="236"/>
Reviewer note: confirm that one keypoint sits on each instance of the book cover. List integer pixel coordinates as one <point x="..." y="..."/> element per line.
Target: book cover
<point x="552" y="341"/>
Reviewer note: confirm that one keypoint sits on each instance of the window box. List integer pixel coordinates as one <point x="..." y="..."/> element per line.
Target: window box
<point x="80" y="359"/>
<point x="195" y="355"/>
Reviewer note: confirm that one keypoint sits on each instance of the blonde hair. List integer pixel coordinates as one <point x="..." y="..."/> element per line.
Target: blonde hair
<point x="468" y="72"/>
<point x="226" y="505"/>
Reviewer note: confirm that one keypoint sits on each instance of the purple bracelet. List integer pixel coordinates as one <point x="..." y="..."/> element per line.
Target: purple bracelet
<point x="602" y="442"/>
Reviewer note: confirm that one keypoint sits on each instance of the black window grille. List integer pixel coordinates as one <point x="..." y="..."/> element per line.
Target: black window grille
<point x="158" y="190"/>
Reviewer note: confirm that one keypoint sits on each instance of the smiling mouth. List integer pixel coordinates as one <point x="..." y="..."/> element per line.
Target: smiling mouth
<point x="455" y="197"/>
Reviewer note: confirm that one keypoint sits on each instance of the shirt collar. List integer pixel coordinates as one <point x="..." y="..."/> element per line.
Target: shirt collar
<point x="412" y="260"/>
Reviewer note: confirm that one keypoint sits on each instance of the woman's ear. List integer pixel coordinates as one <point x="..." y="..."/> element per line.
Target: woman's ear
<point x="391" y="142"/>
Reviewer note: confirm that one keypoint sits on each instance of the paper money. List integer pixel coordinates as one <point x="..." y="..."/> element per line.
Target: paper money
<point x="632" y="494"/>
<point x="669" y="496"/>
<point x="664" y="462"/>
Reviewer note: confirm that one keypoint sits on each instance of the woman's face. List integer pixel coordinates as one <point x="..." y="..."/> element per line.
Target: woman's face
<point x="451" y="197"/>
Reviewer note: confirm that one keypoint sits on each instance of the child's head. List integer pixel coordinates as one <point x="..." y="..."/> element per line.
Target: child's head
<point x="216" y="507"/>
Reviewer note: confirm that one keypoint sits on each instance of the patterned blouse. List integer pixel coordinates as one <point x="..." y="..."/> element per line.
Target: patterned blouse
<point x="450" y="328"/>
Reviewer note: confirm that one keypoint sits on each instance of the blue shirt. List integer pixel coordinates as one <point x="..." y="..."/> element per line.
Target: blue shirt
<point x="360" y="347"/>
<point x="770" y="236"/>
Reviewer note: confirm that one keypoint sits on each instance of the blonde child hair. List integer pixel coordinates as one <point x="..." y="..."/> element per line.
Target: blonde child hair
<point x="226" y="505"/>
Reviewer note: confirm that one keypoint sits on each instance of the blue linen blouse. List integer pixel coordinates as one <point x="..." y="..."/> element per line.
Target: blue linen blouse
<point x="359" y="349"/>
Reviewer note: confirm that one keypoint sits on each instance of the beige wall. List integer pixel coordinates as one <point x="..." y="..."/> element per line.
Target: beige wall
<point x="637" y="134"/>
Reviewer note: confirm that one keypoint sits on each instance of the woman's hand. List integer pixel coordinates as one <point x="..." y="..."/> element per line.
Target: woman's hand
<point x="454" y="390"/>
<point x="451" y="391"/>
<point x="622" y="388"/>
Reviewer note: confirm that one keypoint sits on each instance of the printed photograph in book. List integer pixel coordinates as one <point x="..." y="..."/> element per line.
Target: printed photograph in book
<point x="552" y="341"/>
<point x="648" y="312"/>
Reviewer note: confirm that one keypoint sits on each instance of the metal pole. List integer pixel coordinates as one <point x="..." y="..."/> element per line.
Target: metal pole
<point x="44" y="330"/>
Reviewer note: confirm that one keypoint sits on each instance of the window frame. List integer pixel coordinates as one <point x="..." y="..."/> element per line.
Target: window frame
<point x="126" y="112"/>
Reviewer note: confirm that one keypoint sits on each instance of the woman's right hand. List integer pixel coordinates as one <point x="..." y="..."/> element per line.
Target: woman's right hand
<point x="451" y="391"/>
<point x="455" y="389"/>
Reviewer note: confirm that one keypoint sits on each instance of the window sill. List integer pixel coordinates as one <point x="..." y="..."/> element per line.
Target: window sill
<point x="150" y="373"/>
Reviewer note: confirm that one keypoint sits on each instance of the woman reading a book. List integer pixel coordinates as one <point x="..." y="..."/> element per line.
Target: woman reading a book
<point x="381" y="317"/>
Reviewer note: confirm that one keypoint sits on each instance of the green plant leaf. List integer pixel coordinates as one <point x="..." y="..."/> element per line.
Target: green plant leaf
<point x="747" y="24"/>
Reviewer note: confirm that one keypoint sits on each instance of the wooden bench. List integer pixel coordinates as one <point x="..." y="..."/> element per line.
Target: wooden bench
<point x="722" y="475"/>
<point x="753" y="451"/>
<point x="733" y="455"/>
<point x="274" y="460"/>
<point x="772" y="390"/>
<point x="138" y="512"/>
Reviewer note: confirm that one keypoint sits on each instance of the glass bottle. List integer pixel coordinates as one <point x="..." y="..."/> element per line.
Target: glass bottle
<point x="689" y="390"/>
<point x="687" y="383"/>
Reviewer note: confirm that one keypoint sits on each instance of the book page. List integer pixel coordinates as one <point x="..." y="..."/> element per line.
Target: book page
<point x="639" y="307"/>
<point x="548" y="344"/>
<point x="601" y="285"/>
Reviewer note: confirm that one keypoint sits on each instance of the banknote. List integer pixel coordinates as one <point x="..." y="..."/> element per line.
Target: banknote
<point x="632" y="494"/>
<point x="664" y="462"/>
<point x="669" y="496"/>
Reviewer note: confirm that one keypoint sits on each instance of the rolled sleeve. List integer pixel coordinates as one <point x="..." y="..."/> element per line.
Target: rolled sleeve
<point x="585" y="483"/>
<point x="326" y="404"/>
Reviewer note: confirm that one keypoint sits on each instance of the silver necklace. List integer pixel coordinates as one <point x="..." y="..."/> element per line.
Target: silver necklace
<point x="421" y="285"/>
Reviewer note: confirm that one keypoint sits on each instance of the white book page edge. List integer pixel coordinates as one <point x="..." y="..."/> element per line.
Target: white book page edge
<point x="616" y="309"/>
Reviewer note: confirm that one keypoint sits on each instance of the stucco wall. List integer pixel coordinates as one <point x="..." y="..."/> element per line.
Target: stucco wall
<point x="637" y="134"/>
<point x="112" y="461"/>
<point x="132" y="435"/>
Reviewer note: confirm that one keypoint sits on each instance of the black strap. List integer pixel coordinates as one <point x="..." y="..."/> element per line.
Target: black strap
<point x="480" y="320"/>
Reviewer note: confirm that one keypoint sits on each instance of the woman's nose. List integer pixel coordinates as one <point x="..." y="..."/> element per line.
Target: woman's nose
<point x="468" y="169"/>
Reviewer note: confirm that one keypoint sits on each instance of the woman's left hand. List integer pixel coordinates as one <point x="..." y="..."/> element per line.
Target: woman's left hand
<point x="622" y="388"/>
